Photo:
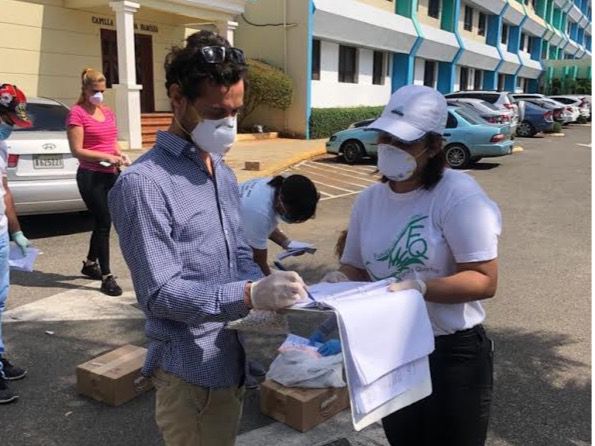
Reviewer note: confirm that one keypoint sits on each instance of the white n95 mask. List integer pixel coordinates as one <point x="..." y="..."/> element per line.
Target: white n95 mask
<point x="395" y="163"/>
<point x="96" y="99"/>
<point x="215" y="136"/>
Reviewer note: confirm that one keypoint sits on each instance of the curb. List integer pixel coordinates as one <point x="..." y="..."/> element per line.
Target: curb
<point x="517" y="149"/>
<point x="282" y="165"/>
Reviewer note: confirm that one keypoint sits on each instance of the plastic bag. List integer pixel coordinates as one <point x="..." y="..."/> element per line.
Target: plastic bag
<point x="261" y="321"/>
<point x="303" y="366"/>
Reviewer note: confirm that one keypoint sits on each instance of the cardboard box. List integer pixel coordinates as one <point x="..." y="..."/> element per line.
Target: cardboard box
<point x="114" y="377"/>
<point x="300" y="408"/>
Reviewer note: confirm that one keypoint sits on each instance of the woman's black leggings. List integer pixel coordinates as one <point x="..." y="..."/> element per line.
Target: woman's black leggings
<point x="94" y="187"/>
<point x="458" y="410"/>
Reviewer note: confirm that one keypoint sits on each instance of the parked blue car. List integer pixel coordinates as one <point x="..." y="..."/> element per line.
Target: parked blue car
<point x="468" y="138"/>
<point x="536" y="119"/>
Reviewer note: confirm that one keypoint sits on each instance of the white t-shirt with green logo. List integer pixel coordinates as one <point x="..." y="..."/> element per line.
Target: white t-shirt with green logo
<point x="423" y="234"/>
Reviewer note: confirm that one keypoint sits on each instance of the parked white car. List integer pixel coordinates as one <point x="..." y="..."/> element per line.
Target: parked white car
<point x="579" y="102"/>
<point x="501" y="99"/>
<point x="490" y="112"/>
<point x="41" y="169"/>
<point x="568" y="113"/>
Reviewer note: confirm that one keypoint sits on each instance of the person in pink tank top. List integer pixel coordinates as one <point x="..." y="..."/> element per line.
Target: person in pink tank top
<point x="93" y="139"/>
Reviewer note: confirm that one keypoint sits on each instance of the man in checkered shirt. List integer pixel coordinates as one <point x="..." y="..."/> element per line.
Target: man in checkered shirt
<point x="176" y="211"/>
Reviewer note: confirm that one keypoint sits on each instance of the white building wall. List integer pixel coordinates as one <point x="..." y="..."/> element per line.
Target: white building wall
<point x="418" y="74"/>
<point x="329" y="92"/>
<point x="457" y="83"/>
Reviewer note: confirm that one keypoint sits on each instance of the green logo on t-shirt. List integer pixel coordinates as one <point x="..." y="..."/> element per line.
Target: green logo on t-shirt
<point x="409" y="249"/>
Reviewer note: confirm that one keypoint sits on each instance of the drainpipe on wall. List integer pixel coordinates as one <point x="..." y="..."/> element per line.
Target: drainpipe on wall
<point x="493" y="77"/>
<point x="405" y="76"/>
<point x="311" y="11"/>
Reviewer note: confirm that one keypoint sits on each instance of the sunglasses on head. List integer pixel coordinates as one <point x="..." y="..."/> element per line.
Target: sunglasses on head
<point x="219" y="54"/>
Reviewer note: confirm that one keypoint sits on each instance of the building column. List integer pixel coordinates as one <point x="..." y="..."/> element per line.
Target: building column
<point x="446" y="77"/>
<point x="127" y="91"/>
<point x="402" y="70"/>
<point x="490" y="80"/>
<point x="227" y="29"/>
<point x="533" y="86"/>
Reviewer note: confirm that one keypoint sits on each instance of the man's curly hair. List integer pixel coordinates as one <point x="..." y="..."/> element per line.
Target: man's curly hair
<point x="185" y="66"/>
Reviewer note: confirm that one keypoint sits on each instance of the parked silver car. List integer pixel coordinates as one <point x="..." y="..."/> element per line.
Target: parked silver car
<point x="501" y="99"/>
<point x="490" y="112"/>
<point x="570" y="113"/>
<point x="41" y="169"/>
<point x="583" y="105"/>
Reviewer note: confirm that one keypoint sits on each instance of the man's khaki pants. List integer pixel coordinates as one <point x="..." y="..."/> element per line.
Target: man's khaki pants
<point x="189" y="415"/>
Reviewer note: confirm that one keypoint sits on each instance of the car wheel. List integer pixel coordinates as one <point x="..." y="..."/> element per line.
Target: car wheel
<point x="525" y="129"/>
<point x="352" y="151"/>
<point x="457" y="156"/>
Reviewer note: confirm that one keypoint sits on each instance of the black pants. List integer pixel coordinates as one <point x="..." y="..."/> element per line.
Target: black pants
<point x="94" y="187"/>
<point x="457" y="412"/>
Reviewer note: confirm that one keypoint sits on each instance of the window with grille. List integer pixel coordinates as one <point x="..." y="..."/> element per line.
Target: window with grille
<point x="347" y="64"/>
<point x="378" y="68"/>
<point x="316" y="59"/>
<point x="429" y="73"/>
<point x="468" y="24"/>
<point x="504" y="38"/>
<point x="481" y="26"/>
<point x="464" y="79"/>
<point x="434" y="8"/>
<point x="478" y="81"/>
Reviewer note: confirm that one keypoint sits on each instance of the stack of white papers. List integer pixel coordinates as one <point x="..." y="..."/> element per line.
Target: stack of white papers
<point x="386" y="339"/>
<point x="18" y="261"/>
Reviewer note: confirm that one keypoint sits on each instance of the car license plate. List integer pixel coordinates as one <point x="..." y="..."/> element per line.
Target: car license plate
<point x="48" y="162"/>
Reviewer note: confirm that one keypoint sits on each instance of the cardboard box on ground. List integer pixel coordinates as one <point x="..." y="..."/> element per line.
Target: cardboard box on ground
<point x="299" y="408"/>
<point x="114" y="377"/>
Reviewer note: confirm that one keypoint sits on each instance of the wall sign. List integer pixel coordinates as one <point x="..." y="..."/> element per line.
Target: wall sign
<point x="106" y="21"/>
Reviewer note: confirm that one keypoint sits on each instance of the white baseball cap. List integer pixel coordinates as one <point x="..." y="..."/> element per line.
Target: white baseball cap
<point x="411" y="112"/>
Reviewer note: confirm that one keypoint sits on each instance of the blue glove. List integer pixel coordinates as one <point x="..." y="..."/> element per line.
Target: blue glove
<point x="329" y="348"/>
<point x="317" y="337"/>
<point x="21" y="241"/>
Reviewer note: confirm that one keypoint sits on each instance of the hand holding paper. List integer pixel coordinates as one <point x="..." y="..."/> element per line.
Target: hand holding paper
<point x="279" y="290"/>
<point x="21" y="241"/>
<point x="416" y="284"/>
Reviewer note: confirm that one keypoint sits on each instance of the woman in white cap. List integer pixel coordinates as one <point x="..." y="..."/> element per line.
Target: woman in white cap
<point x="433" y="229"/>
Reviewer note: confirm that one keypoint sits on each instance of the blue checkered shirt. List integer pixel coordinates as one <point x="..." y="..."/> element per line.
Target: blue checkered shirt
<point x="180" y="234"/>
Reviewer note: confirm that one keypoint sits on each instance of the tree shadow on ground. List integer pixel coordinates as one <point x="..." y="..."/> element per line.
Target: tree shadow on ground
<point x="538" y="398"/>
<point x="40" y="279"/>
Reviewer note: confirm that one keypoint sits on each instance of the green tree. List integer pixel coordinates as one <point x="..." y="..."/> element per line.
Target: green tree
<point x="267" y="85"/>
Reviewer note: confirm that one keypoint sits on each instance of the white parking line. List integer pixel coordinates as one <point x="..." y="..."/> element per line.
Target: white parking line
<point x="334" y="187"/>
<point x="359" y="170"/>
<point x="312" y="166"/>
<point x="352" y="181"/>
<point x="340" y="196"/>
<point x="583" y="145"/>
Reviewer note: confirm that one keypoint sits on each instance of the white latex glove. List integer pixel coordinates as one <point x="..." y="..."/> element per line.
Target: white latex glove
<point x="280" y="289"/>
<point x="334" y="277"/>
<point x="415" y="284"/>
<point x="294" y="244"/>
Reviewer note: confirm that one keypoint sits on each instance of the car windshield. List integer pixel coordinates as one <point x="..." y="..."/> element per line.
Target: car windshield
<point x="471" y="116"/>
<point x="46" y="117"/>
